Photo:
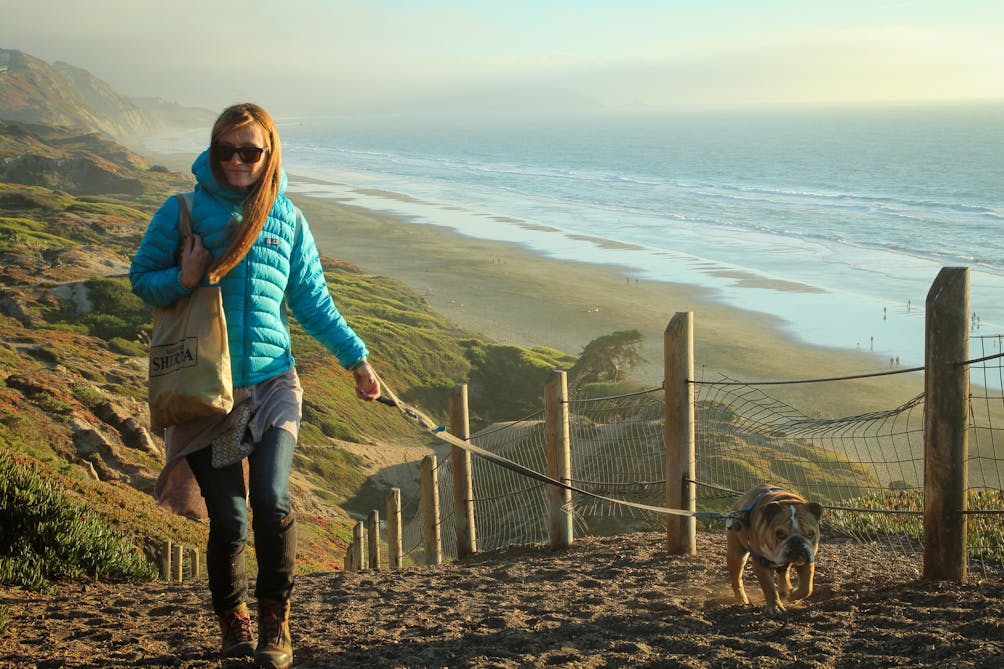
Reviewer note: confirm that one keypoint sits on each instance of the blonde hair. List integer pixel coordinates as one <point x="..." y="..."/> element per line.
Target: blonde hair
<point x="261" y="196"/>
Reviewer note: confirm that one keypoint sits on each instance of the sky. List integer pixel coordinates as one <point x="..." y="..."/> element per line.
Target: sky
<point x="337" y="56"/>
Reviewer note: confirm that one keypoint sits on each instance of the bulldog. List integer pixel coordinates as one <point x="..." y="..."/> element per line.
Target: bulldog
<point x="780" y="530"/>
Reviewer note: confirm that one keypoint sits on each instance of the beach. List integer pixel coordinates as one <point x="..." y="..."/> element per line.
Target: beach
<point x="513" y="295"/>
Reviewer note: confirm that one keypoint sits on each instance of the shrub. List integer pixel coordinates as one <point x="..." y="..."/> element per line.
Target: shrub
<point x="511" y="376"/>
<point x="106" y="326"/>
<point x="116" y="314"/>
<point x="87" y="395"/>
<point x="117" y="311"/>
<point x="127" y="347"/>
<point x="45" y="535"/>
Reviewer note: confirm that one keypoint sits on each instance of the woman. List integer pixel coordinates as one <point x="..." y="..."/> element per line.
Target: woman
<point x="250" y="239"/>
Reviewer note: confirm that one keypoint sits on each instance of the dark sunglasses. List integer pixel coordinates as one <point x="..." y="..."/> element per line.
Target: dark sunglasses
<point x="225" y="152"/>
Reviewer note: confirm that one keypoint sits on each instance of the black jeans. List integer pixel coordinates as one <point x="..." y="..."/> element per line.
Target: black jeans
<point x="272" y="521"/>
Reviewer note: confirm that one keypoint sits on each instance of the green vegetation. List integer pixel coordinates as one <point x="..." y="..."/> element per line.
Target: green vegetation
<point x="337" y="472"/>
<point x="116" y="313"/>
<point x="17" y="196"/>
<point x="739" y="456"/>
<point x="607" y="359"/>
<point x="48" y="536"/>
<point x="507" y="382"/>
<point x="20" y="234"/>
<point x="985" y="539"/>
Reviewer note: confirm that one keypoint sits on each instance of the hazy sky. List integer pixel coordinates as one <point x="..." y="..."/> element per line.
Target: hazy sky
<point x="309" y="56"/>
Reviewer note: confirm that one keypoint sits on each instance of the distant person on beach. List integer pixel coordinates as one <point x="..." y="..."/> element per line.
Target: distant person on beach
<point x="252" y="241"/>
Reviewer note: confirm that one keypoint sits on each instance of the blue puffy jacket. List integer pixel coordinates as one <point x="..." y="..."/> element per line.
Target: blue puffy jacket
<point x="282" y="268"/>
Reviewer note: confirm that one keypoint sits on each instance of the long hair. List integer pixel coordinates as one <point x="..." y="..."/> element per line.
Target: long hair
<point x="261" y="196"/>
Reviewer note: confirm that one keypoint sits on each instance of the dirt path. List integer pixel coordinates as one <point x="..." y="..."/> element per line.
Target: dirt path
<point x="605" y="602"/>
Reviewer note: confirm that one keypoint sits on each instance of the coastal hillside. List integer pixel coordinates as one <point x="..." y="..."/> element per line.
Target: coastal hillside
<point x="60" y="94"/>
<point x="76" y="161"/>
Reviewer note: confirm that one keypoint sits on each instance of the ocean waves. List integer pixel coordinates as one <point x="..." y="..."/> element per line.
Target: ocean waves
<point x="865" y="219"/>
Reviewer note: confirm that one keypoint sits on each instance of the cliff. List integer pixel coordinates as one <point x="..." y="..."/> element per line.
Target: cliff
<point x="59" y="94"/>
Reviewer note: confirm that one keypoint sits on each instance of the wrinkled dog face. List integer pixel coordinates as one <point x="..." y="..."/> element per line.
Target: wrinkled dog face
<point x="789" y="532"/>
<point x="781" y="531"/>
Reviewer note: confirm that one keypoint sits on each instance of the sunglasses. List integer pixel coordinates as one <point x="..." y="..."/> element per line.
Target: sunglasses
<point x="224" y="153"/>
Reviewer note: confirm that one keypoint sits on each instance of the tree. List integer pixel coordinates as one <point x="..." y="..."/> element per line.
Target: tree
<point x="606" y="358"/>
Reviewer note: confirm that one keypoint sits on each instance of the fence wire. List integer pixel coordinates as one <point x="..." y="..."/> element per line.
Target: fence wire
<point x="986" y="439"/>
<point x="510" y="509"/>
<point x="860" y="467"/>
<point x="986" y="452"/>
<point x="618" y="451"/>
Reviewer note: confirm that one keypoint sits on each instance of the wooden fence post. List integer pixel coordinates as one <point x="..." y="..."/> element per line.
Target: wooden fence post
<point x="946" y="426"/>
<point x="559" y="460"/>
<point x="177" y="560"/>
<point x="352" y="555"/>
<point x="432" y="541"/>
<point x="463" y="486"/>
<point x="678" y="352"/>
<point x="373" y="532"/>
<point x="165" y="560"/>
<point x="394" y="549"/>
<point x="193" y="561"/>
<point x="359" y="545"/>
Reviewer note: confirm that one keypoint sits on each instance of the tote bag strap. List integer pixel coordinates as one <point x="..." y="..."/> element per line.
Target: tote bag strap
<point x="184" y="213"/>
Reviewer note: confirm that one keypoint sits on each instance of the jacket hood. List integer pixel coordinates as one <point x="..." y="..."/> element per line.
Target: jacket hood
<point x="204" y="175"/>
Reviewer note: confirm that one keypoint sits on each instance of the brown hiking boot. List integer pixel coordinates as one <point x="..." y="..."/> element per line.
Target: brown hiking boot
<point x="235" y="630"/>
<point x="275" y="648"/>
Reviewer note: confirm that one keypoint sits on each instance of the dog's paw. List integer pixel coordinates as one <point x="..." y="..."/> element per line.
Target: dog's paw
<point x="800" y="593"/>
<point x="776" y="610"/>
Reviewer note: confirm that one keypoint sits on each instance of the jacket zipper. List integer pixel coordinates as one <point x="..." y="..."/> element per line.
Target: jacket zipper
<point x="247" y="309"/>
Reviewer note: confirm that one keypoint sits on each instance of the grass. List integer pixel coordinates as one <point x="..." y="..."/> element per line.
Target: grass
<point x="19" y="234"/>
<point x="332" y="469"/>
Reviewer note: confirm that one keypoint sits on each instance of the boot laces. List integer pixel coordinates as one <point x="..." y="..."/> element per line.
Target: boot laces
<point x="238" y="626"/>
<point x="272" y="625"/>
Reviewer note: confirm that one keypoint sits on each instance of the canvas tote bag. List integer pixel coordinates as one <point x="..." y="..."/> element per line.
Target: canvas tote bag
<point x="189" y="353"/>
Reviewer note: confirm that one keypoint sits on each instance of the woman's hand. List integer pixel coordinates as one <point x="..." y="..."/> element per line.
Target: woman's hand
<point x="367" y="385"/>
<point x="194" y="261"/>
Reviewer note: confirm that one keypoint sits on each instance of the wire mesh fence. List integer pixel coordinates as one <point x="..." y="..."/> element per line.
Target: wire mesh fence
<point x="867" y="470"/>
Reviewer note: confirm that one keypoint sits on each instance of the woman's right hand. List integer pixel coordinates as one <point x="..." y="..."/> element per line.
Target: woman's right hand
<point x="194" y="261"/>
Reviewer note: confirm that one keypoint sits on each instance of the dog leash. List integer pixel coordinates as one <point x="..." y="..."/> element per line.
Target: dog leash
<point x="440" y="432"/>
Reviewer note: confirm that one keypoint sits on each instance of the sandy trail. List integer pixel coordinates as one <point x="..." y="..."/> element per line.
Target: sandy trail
<point x="604" y="602"/>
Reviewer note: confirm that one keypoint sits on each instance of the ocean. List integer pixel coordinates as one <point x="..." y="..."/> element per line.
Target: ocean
<point x="835" y="221"/>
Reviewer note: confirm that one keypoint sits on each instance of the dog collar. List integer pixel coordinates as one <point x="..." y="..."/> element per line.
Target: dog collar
<point x="763" y="561"/>
<point x="738" y="518"/>
<point x="767" y="563"/>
